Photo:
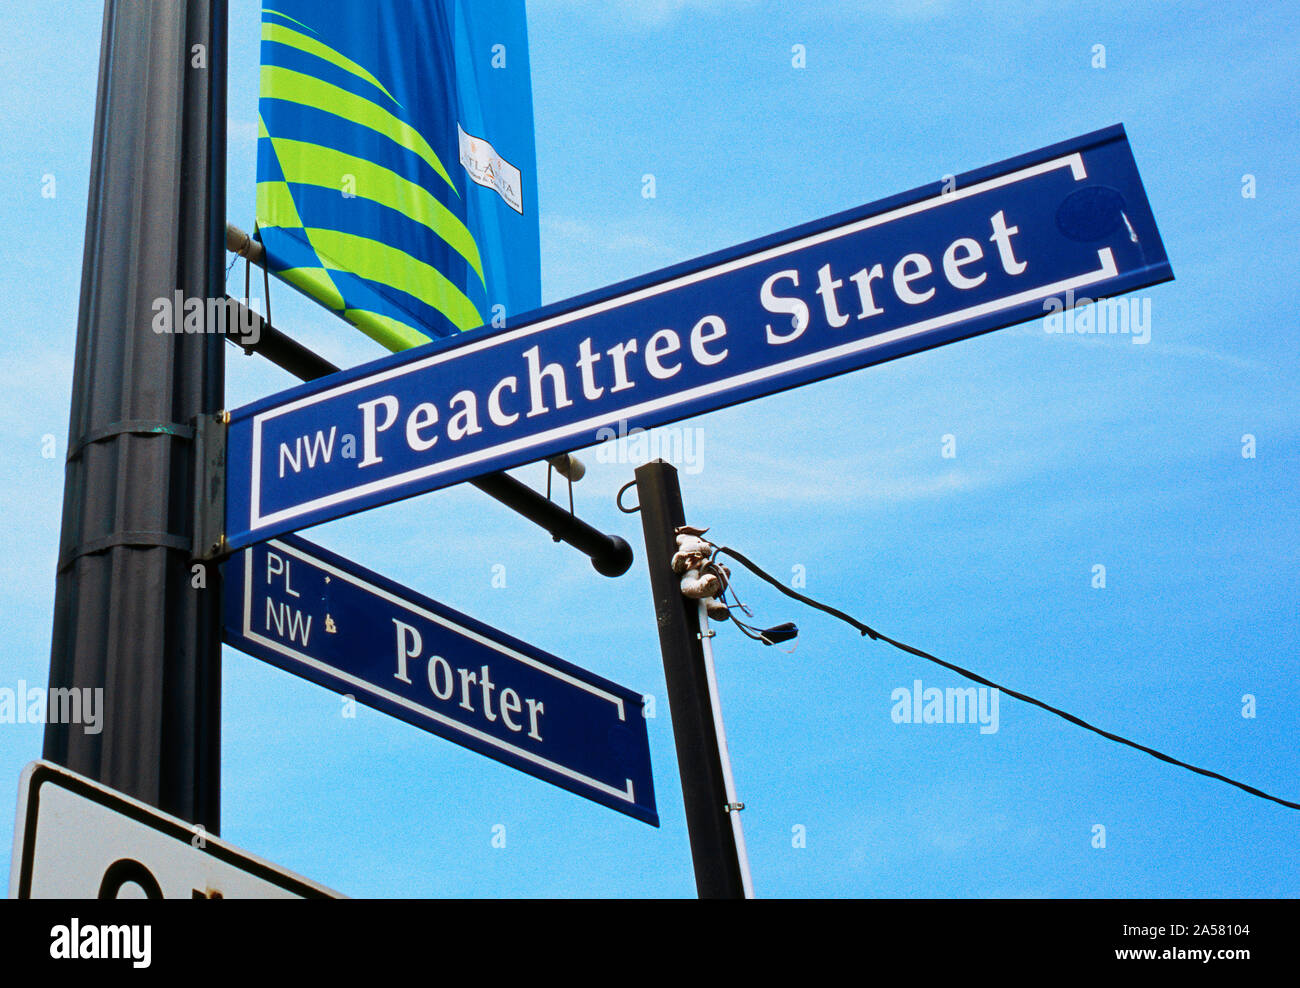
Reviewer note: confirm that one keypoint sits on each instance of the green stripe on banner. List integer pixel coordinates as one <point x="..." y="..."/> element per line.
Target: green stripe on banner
<point x="285" y="35"/>
<point x="275" y="206"/>
<point x="305" y="27"/>
<point x="295" y="87"/>
<point x="313" y="164"/>
<point x="317" y="283"/>
<point x="385" y="330"/>
<point x="388" y="265"/>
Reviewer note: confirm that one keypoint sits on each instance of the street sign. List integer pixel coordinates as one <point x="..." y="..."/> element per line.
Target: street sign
<point x="1011" y="242"/>
<point x="77" y="839"/>
<point x="324" y="618"/>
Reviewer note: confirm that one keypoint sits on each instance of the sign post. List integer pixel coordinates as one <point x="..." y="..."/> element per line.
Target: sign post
<point x="131" y="615"/>
<point x="715" y="851"/>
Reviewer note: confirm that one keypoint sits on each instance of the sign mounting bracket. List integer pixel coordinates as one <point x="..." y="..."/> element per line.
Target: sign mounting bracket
<point x="210" y="487"/>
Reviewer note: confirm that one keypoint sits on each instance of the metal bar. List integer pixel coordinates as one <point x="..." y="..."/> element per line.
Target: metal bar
<point x="610" y="555"/>
<point x="239" y="242"/>
<point x="131" y="617"/>
<point x="266" y="341"/>
<point x="734" y="805"/>
<point x="714" y="853"/>
<point x="195" y="699"/>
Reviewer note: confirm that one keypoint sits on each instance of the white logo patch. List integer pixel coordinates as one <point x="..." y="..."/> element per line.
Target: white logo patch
<point x="489" y="169"/>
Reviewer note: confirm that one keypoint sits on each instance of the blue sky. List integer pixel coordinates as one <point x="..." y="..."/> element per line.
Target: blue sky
<point x="1071" y="452"/>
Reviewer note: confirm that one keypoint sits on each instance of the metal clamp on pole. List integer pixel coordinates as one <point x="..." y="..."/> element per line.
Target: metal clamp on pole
<point x="210" y="487"/>
<point x="239" y="242"/>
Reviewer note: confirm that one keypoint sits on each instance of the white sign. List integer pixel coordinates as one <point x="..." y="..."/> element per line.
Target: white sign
<point x="77" y="839"/>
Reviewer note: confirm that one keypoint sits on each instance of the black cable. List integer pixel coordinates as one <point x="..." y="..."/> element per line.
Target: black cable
<point x="976" y="677"/>
<point x="847" y="619"/>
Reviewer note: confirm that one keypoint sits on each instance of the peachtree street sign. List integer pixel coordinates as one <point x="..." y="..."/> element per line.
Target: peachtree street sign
<point x="980" y="252"/>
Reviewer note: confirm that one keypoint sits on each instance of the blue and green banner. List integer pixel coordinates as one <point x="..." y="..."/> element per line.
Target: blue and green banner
<point x="396" y="167"/>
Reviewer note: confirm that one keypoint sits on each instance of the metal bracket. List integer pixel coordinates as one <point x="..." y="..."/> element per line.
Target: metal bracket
<point x="130" y="427"/>
<point x="734" y="807"/>
<point x="134" y="540"/>
<point x="210" y="487"/>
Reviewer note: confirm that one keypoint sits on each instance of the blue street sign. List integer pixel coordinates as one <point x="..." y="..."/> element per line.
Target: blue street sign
<point x="336" y="624"/>
<point x="1012" y="242"/>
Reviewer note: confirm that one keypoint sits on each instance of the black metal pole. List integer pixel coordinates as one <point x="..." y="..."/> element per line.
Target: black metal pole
<point x="610" y="555"/>
<point x="713" y="842"/>
<point x="132" y="616"/>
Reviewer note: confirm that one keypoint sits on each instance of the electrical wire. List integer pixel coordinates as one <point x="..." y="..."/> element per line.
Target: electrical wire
<point x="976" y="677"/>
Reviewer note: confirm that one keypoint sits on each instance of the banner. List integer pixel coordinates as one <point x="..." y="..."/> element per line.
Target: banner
<point x="396" y="168"/>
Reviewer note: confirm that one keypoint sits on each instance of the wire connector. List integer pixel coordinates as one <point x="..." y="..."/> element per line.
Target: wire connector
<point x="702" y="578"/>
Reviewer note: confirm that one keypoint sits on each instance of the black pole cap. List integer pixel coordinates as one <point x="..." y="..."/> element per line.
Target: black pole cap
<point x="616" y="560"/>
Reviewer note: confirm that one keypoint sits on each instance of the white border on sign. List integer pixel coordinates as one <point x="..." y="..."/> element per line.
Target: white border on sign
<point x="1073" y="161"/>
<point x="628" y="795"/>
